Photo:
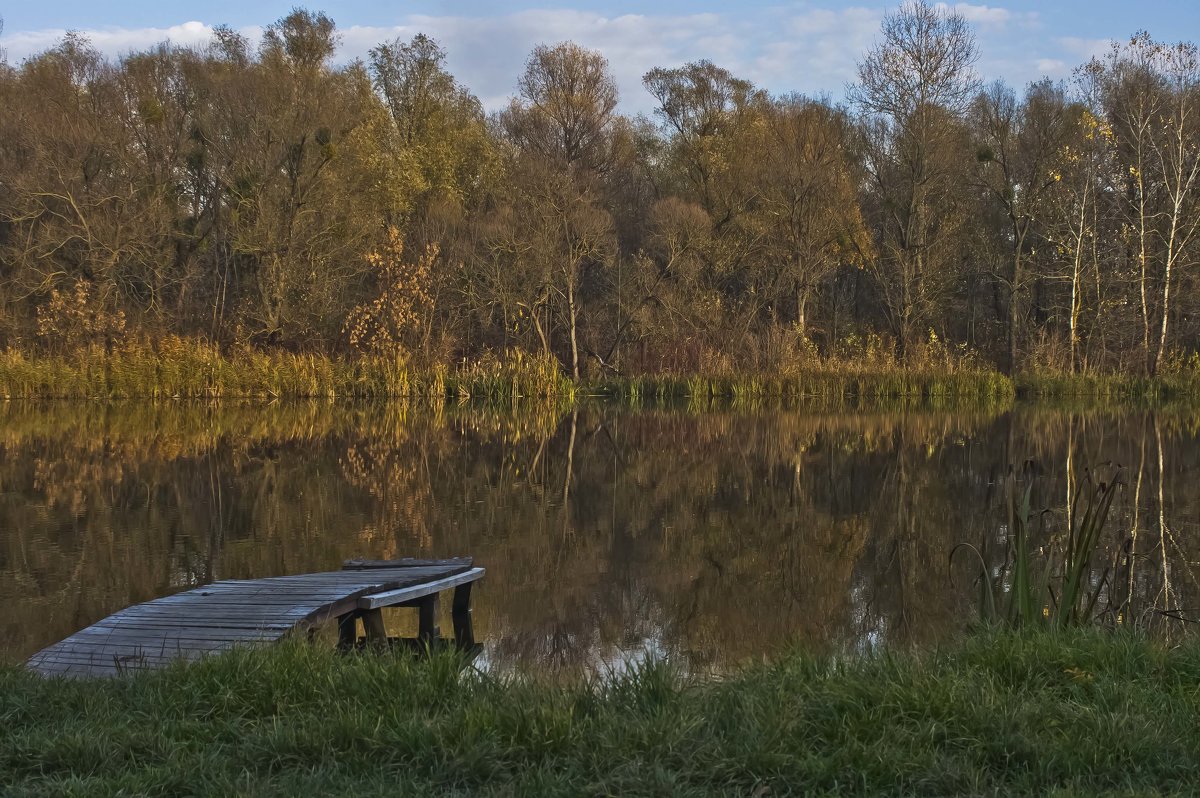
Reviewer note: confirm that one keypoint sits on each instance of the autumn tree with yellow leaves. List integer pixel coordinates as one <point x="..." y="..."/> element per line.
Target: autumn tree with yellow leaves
<point x="400" y="309"/>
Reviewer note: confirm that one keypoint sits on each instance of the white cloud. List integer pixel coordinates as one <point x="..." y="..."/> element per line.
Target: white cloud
<point x="110" y="40"/>
<point x="819" y="52"/>
<point x="979" y="15"/>
<point x="807" y="47"/>
<point x="1085" y="49"/>
<point x="633" y="44"/>
<point x="1053" y="67"/>
<point x="991" y="16"/>
<point x="811" y="51"/>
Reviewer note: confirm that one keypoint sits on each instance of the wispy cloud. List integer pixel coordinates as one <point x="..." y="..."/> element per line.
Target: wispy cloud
<point x="807" y="48"/>
<point x="979" y="15"/>
<point x="1085" y="49"/>
<point x="110" y="40"/>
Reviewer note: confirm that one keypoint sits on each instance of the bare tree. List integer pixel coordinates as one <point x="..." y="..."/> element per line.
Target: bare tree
<point x="914" y="87"/>
<point x="716" y="136"/>
<point x="1133" y="100"/>
<point x="1177" y="158"/>
<point x="701" y="104"/>
<point x="567" y="104"/>
<point x="1152" y="97"/>
<point x="1017" y="147"/>
<point x="808" y="196"/>
<point x="562" y="125"/>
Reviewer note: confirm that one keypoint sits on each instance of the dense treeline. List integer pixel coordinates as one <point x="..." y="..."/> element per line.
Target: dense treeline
<point x="259" y="195"/>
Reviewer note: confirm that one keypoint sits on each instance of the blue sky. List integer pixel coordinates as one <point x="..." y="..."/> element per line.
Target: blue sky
<point x="810" y="47"/>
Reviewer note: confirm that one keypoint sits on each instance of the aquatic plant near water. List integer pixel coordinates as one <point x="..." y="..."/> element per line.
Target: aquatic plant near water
<point x="1050" y="584"/>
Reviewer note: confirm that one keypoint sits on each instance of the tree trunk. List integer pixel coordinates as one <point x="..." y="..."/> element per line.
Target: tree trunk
<point x="1013" y="315"/>
<point x="1142" y="261"/>
<point x="572" y="317"/>
<point x="1166" y="309"/>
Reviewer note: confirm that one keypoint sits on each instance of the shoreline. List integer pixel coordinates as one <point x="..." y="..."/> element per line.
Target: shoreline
<point x="188" y="369"/>
<point x="1082" y="711"/>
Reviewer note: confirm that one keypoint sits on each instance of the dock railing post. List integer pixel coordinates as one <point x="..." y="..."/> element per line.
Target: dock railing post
<point x="348" y="631"/>
<point x="427" y="627"/>
<point x="373" y="624"/>
<point x="460" y="614"/>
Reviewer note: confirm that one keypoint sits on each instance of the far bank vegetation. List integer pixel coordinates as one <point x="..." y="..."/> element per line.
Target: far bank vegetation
<point x="256" y="202"/>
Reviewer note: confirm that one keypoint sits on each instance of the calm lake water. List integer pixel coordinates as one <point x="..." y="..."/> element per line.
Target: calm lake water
<point x="712" y="537"/>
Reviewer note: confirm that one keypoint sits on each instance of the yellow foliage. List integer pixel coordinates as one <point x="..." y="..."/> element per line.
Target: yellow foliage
<point x="76" y="318"/>
<point x="402" y="304"/>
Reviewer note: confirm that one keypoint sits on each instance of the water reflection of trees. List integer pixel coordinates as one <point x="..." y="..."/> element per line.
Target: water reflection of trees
<point x="712" y="537"/>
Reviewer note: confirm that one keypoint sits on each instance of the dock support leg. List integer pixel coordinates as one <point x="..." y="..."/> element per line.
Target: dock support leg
<point x="347" y="631"/>
<point x="464" y="635"/>
<point x="373" y="623"/>
<point x="427" y="628"/>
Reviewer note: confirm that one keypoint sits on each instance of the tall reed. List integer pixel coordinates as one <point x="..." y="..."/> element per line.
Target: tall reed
<point x="188" y="368"/>
<point x="1055" y="583"/>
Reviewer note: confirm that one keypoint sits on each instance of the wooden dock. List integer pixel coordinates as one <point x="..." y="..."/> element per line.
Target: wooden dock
<point x="234" y="612"/>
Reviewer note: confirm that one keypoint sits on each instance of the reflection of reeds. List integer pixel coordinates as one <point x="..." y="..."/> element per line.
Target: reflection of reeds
<point x="1055" y="583"/>
<point x="137" y="432"/>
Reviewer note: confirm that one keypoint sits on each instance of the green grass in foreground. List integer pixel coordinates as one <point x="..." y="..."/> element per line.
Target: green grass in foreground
<point x="1079" y="713"/>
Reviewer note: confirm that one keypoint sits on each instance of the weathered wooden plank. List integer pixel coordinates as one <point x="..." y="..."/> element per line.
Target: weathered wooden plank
<point x="221" y="610"/>
<point x="311" y="598"/>
<point x="366" y="575"/>
<point x="232" y="605"/>
<point x="75" y="671"/>
<point x="248" y="621"/>
<point x="113" y="660"/>
<point x="182" y="619"/>
<point x="106" y="652"/>
<point x="151" y="640"/>
<point x="335" y="579"/>
<point x="340" y="589"/>
<point x="151" y="645"/>
<point x="226" y="607"/>
<point x="389" y="598"/>
<point x="406" y="562"/>
<point x="170" y="634"/>
<point x="298" y="588"/>
<point x="360" y="574"/>
<point x="166" y="625"/>
<point x="126" y="656"/>
<point x="166" y="651"/>
<point x="225" y="610"/>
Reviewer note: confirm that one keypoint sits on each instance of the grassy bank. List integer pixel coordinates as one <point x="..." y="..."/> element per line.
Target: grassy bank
<point x="190" y="369"/>
<point x="1183" y="384"/>
<point x="827" y="385"/>
<point x="1083" y="713"/>
<point x="186" y="368"/>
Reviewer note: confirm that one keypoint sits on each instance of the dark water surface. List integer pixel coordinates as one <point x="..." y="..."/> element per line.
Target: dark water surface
<point x="711" y="537"/>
